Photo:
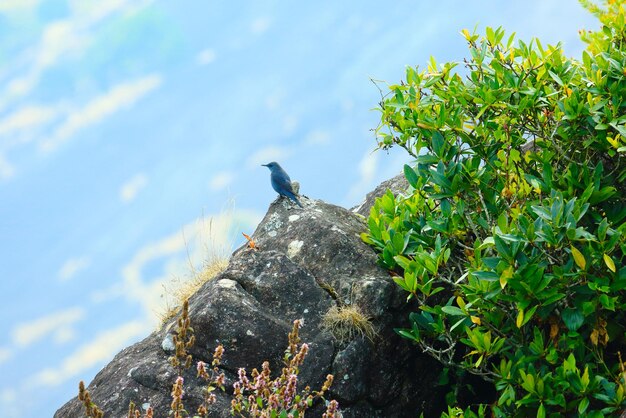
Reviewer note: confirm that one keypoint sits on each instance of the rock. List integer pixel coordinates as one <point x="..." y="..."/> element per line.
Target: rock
<point x="349" y="369"/>
<point x="307" y="261"/>
<point x="397" y="184"/>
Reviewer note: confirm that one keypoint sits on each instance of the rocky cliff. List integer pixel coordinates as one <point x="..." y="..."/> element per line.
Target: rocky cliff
<point x="307" y="261"/>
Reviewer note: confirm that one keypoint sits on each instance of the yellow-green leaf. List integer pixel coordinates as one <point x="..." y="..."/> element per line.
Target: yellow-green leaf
<point x="505" y="276"/>
<point x="520" y="318"/>
<point x="613" y="141"/>
<point x="475" y="320"/>
<point x="460" y="302"/>
<point x="579" y="258"/>
<point x="609" y="262"/>
<point x="479" y="361"/>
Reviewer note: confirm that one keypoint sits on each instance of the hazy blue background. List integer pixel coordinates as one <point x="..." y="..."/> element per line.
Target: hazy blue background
<point x="127" y="125"/>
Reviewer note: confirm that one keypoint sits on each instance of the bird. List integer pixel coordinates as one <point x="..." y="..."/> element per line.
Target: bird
<point x="281" y="181"/>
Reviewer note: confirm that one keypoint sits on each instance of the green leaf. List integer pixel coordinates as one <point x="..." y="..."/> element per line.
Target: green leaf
<point x="487" y="242"/>
<point x="503" y="223"/>
<point x="410" y="175"/>
<point x="572" y="318"/>
<point x="402" y="283"/>
<point x="541" y="412"/>
<point x="410" y="280"/>
<point x="542" y="212"/>
<point x="407" y="334"/>
<point x="607" y="302"/>
<point x="556" y="78"/>
<point x="440" y="179"/>
<point x="438" y="141"/>
<point x="452" y="310"/>
<point x="490" y="276"/>
<point x="511" y="237"/>
<point x="446" y="207"/>
<point x="403" y="262"/>
<point x="583" y="405"/>
<point x="492" y="262"/>
<point x="427" y="262"/>
<point x="589" y="307"/>
<point x="619" y="128"/>
<point x="602" y="229"/>
<point x="427" y="159"/>
<point x="458" y="323"/>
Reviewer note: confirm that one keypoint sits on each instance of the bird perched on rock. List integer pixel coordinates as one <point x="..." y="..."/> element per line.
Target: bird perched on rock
<point x="281" y="181"/>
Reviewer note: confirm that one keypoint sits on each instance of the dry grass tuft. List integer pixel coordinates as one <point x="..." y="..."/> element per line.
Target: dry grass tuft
<point x="347" y="323"/>
<point x="179" y="289"/>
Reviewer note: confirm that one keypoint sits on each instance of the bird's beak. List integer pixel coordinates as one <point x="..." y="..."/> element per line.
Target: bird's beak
<point x="264" y="165"/>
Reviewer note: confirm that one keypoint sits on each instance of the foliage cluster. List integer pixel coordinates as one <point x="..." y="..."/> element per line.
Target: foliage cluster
<point x="511" y="236"/>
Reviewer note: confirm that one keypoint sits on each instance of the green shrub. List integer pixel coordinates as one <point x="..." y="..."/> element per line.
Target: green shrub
<point x="511" y="236"/>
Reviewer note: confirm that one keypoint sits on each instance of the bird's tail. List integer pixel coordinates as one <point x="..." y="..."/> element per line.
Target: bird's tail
<point x="294" y="198"/>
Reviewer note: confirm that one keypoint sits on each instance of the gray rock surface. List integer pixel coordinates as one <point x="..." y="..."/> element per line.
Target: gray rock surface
<point x="308" y="260"/>
<point x="397" y="184"/>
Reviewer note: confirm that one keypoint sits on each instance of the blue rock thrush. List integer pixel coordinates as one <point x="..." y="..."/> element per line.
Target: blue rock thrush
<point x="281" y="181"/>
